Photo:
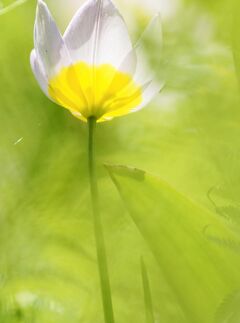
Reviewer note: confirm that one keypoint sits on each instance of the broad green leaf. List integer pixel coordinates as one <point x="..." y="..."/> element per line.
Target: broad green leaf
<point x="200" y="273"/>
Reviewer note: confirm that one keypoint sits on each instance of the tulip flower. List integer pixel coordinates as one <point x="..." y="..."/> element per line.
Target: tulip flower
<point x="95" y="72"/>
<point x="92" y="70"/>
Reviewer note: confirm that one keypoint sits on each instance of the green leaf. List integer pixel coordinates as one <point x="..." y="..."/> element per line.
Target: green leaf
<point x="201" y="274"/>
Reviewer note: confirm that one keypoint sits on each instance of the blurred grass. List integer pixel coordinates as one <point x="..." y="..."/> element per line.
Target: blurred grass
<point x="189" y="136"/>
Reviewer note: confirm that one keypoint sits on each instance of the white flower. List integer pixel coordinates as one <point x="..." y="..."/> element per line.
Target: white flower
<point x="92" y="70"/>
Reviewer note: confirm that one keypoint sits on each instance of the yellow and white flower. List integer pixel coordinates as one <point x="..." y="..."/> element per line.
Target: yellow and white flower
<point x="92" y="70"/>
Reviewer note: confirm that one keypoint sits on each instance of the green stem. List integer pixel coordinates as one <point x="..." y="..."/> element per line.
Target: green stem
<point x="98" y="230"/>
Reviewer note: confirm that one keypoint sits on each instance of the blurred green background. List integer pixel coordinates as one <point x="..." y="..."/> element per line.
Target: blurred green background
<point x="184" y="219"/>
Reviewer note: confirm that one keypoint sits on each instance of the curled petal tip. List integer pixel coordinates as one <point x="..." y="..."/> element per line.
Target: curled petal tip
<point x="41" y="3"/>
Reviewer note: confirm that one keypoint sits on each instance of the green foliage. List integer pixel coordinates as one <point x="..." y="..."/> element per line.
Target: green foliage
<point x="189" y="137"/>
<point x="174" y="229"/>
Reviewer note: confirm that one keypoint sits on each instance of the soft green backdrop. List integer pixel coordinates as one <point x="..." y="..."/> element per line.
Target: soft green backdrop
<point x="185" y="222"/>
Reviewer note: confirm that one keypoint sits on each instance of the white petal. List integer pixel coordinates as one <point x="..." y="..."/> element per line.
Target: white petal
<point x="153" y="32"/>
<point x="97" y="34"/>
<point x="49" y="45"/>
<point x="38" y="72"/>
<point x="149" y="92"/>
<point x="136" y="63"/>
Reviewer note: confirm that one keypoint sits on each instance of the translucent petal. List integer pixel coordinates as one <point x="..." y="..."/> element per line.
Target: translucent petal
<point x="98" y="35"/>
<point x="49" y="44"/>
<point x="121" y="106"/>
<point x="38" y="72"/>
<point x="136" y="62"/>
<point x="149" y="93"/>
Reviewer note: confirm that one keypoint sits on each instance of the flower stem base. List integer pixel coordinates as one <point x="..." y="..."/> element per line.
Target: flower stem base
<point x="98" y="229"/>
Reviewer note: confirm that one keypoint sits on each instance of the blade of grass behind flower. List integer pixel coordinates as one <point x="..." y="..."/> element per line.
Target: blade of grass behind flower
<point x="147" y="293"/>
<point x="11" y="6"/>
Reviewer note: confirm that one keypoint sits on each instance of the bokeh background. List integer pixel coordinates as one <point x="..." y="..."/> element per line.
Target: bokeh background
<point x="184" y="219"/>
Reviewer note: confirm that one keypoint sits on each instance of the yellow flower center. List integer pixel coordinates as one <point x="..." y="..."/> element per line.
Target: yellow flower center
<point x="100" y="91"/>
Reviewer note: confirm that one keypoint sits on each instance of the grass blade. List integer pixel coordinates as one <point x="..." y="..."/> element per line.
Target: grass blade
<point x="147" y="293"/>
